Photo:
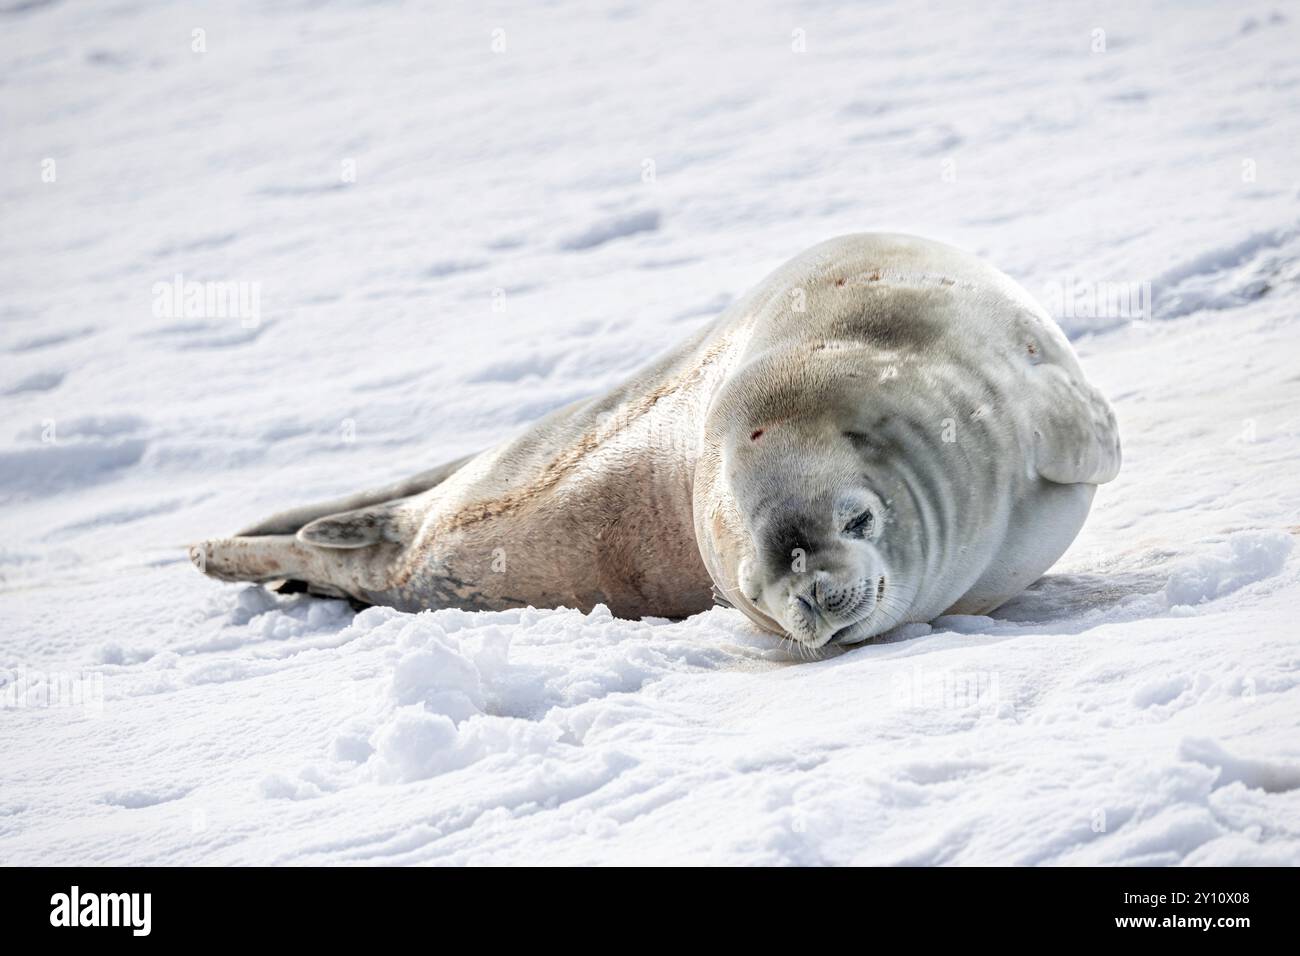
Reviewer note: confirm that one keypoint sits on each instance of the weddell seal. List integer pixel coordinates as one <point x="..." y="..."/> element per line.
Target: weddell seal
<point x="884" y="430"/>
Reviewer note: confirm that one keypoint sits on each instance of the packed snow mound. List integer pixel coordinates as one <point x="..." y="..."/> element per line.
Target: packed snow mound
<point x="1246" y="557"/>
<point x="455" y="696"/>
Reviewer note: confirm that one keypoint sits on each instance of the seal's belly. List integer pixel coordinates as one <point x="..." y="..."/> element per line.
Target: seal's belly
<point x="614" y="530"/>
<point x="1043" y="523"/>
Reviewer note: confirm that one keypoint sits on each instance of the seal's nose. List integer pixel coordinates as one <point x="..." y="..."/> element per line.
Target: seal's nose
<point x="821" y="589"/>
<point x="827" y="595"/>
<point x="818" y="598"/>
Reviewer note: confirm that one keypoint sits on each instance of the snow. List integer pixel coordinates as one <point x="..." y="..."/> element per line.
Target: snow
<point x="528" y="227"/>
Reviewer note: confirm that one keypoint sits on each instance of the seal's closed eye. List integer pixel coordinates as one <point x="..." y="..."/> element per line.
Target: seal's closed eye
<point x="860" y="526"/>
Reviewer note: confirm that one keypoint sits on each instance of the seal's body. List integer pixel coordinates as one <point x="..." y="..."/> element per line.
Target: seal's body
<point x="883" y="430"/>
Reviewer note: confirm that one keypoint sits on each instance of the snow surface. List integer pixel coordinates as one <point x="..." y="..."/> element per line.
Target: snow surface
<point x="525" y="228"/>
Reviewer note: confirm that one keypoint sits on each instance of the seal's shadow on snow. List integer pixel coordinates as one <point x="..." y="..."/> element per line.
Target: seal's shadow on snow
<point x="1205" y="572"/>
<point x="1062" y="603"/>
<point x="1056" y="597"/>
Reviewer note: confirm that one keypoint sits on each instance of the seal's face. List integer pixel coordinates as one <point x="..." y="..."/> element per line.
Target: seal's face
<point x="816" y="567"/>
<point x="833" y="551"/>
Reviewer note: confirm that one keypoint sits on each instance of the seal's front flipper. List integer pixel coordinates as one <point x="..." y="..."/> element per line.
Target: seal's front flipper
<point x="1076" y="439"/>
<point x="359" y="528"/>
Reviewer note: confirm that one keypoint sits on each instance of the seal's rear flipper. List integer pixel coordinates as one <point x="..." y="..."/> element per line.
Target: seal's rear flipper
<point x="320" y="548"/>
<point x="281" y="561"/>
<point x="289" y="522"/>
<point x="259" y="560"/>
<point x="281" y="557"/>
<point x="338" y="555"/>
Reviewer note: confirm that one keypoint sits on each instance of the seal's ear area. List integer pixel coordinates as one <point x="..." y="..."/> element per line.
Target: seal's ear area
<point x="352" y="529"/>
<point x="1076" y="438"/>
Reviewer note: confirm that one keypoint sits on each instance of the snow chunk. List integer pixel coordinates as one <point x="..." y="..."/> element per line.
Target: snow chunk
<point x="440" y="678"/>
<point x="251" y="602"/>
<point x="1269" y="776"/>
<point x="1246" y="557"/>
<point x="278" y="786"/>
<point x="415" y="744"/>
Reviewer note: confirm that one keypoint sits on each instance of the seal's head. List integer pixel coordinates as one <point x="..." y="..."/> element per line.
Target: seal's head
<point x="821" y="535"/>
<point x="833" y="552"/>
<point x="815" y="567"/>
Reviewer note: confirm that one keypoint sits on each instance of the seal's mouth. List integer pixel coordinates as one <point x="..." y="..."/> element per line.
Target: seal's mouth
<point x="801" y="626"/>
<point x="858" y="631"/>
<point x="852" y="634"/>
